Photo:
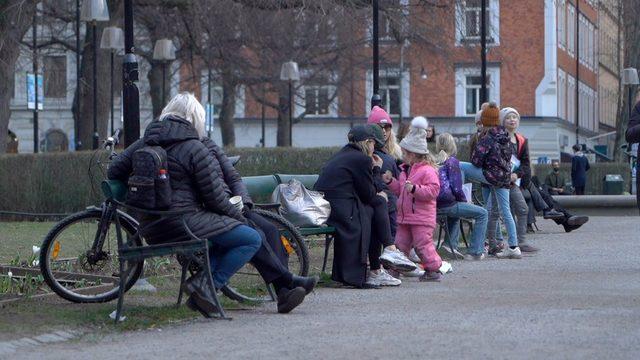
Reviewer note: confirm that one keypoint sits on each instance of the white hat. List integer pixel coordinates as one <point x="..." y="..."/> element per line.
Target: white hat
<point x="506" y="111"/>
<point x="420" y="122"/>
<point x="415" y="141"/>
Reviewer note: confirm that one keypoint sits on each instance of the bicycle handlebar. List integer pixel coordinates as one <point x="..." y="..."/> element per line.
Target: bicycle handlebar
<point x="113" y="140"/>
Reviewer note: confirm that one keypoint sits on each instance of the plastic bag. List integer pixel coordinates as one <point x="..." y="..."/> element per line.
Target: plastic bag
<point x="302" y="207"/>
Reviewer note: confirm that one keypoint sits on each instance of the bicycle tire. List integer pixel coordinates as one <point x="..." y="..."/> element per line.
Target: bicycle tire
<point x="296" y="242"/>
<point x="48" y="245"/>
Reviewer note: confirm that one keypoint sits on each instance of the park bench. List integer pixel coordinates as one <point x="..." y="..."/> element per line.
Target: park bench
<point x="261" y="187"/>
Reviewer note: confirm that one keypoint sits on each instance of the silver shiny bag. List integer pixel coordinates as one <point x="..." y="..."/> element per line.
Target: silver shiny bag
<point x="302" y="207"/>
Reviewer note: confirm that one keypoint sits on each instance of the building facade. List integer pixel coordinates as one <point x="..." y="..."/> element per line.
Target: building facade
<point x="552" y="64"/>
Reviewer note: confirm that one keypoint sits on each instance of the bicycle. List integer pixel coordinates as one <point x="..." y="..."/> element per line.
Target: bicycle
<point x="79" y="256"/>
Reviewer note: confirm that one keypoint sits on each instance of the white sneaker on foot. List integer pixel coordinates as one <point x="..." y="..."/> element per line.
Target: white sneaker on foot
<point x="382" y="278"/>
<point x="415" y="273"/>
<point x="396" y="260"/>
<point x="474" y="257"/>
<point x="509" y="253"/>
<point x="445" y="268"/>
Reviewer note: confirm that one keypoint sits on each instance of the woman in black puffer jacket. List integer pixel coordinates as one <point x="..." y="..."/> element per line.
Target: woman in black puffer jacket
<point x="196" y="183"/>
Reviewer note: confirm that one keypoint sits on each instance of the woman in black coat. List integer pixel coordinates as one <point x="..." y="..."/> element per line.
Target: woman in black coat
<point x="197" y="182"/>
<point x="347" y="181"/>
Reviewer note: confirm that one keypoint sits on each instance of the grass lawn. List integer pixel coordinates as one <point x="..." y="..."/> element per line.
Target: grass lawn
<point x="17" y="238"/>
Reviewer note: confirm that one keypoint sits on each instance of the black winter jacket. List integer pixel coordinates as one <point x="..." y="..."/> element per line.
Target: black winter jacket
<point x="195" y="182"/>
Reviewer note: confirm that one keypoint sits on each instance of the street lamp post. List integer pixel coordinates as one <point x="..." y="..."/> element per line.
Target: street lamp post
<point x="483" y="51"/>
<point x="630" y="79"/>
<point x="92" y="12"/>
<point x="112" y="40"/>
<point x="289" y="72"/>
<point x="164" y="52"/>
<point x="376" y="100"/>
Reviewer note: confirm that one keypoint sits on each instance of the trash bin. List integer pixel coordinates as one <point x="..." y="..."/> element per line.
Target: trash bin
<point x="613" y="184"/>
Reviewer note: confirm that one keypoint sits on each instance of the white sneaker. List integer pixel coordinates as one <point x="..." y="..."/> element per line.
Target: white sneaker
<point x="382" y="278"/>
<point x="473" y="257"/>
<point x="415" y="273"/>
<point x="509" y="253"/>
<point x="413" y="256"/>
<point x="396" y="260"/>
<point x="456" y="255"/>
<point x="445" y="268"/>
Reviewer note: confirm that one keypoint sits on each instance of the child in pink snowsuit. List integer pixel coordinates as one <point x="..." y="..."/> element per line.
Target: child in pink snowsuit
<point x="417" y="188"/>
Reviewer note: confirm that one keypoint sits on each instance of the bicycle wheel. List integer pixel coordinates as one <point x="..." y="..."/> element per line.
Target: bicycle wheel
<point x="247" y="285"/>
<point x="75" y="272"/>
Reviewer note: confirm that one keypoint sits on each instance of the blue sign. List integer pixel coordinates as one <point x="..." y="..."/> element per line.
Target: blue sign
<point x="31" y="92"/>
<point x="209" y="108"/>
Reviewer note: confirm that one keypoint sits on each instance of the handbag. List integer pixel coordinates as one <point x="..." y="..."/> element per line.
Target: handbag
<point x="302" y="207"/>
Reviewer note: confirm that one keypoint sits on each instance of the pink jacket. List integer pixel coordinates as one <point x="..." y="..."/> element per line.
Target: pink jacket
<point x="419" y="207"/>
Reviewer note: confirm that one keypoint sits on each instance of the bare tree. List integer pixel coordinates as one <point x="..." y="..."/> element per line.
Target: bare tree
<point x="631" y="38"/>
<point x="15" y="19"/>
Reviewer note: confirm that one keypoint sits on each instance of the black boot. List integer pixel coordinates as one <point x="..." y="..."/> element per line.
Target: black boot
<point x="289" y="299"/>
<point x="552" y="214"/>
<point x="306" y="282"/>
<point x="200" y="294"/>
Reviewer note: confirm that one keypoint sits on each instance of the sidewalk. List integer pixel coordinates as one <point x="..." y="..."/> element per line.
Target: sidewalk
<point x="578" y="298"/>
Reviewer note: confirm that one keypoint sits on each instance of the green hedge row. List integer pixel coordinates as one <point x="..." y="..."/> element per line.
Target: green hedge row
<point x="67" y="182"/>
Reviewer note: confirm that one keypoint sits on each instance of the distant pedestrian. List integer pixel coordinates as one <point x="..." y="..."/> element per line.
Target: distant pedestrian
<point x="555" y="180"/>
<point x="579" y="168"/>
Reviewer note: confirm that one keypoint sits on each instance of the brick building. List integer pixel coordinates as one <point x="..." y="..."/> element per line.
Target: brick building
<point x="531" y="66"/>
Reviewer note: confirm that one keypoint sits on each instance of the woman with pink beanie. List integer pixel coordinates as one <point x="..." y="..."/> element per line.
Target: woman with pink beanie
<point x="381" y="118"/>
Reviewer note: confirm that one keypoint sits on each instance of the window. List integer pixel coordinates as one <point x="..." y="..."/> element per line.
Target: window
<point x="390" y="93"/>
<point x="562" y="94"/>
<point x="562" y="23"/>
<point x="469" y="21"/>
<point x="55" y="76"/>
<point x="468" y="86"/>
<point x="316" y="100"/>
<point x="571" y="99"/>
<point x="571" y="34"/>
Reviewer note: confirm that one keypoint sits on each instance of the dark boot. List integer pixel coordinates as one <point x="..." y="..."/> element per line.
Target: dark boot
<point x="200" y="294"/>
<point x="577" y="220"/>
<point x="306" y="282"/>
<point x="289" y="299"/>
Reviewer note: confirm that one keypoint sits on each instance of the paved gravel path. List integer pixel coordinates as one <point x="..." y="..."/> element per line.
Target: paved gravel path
<point x="578" y="298"/>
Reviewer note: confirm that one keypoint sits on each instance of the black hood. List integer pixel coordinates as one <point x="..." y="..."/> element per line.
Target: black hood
<point x="170" y="130"/>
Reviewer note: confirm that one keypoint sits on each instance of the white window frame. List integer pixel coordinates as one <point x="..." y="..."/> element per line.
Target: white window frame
<point x="300" y="95"/>
<point x="562" y="94"/>
<point x="493" y="34"/>
<point x="571" y="29"/>
<point x="562" y="24"/>
<point x="405" y="82"/>
<point x="571" y="99"/>
<point x="493" y="74"/>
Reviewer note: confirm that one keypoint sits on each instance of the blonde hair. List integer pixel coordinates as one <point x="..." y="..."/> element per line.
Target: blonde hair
<point x="391" y="146"/>
<point x="186" y="106"/>
<point x="446" y="143"/>
<point x="362" y="145"/>
<point x="425" y="158"/>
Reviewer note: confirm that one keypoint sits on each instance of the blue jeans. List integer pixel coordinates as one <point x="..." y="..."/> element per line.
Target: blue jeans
<point x="466" y="211"/>
<point x="502" y="195"/>
<point x="230" y="251"/>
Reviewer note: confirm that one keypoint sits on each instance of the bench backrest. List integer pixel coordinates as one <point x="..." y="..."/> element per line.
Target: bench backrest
<point x="308" y="180"/>
<point x="260" y="187"/>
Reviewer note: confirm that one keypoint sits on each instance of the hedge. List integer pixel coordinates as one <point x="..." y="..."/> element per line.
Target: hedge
<point x="61" y="183"/>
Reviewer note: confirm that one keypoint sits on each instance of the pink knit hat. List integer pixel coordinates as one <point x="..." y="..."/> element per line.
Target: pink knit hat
<point x="379" y="116"/>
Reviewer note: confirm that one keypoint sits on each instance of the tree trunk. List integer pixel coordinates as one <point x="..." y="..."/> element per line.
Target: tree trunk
<point x="155" y="87"/>
<point x="15" y="21"/>
<point x="227" y="112"/>
<point x="82" y="107"/>
<point x="283" y="118"/>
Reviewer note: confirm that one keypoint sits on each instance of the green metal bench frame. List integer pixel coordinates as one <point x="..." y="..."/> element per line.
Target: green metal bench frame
<point x="115" y="192"/>
<point x="263" y="185"/>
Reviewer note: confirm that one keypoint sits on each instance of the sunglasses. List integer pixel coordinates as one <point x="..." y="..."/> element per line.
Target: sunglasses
<point x="385" y="127"/>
